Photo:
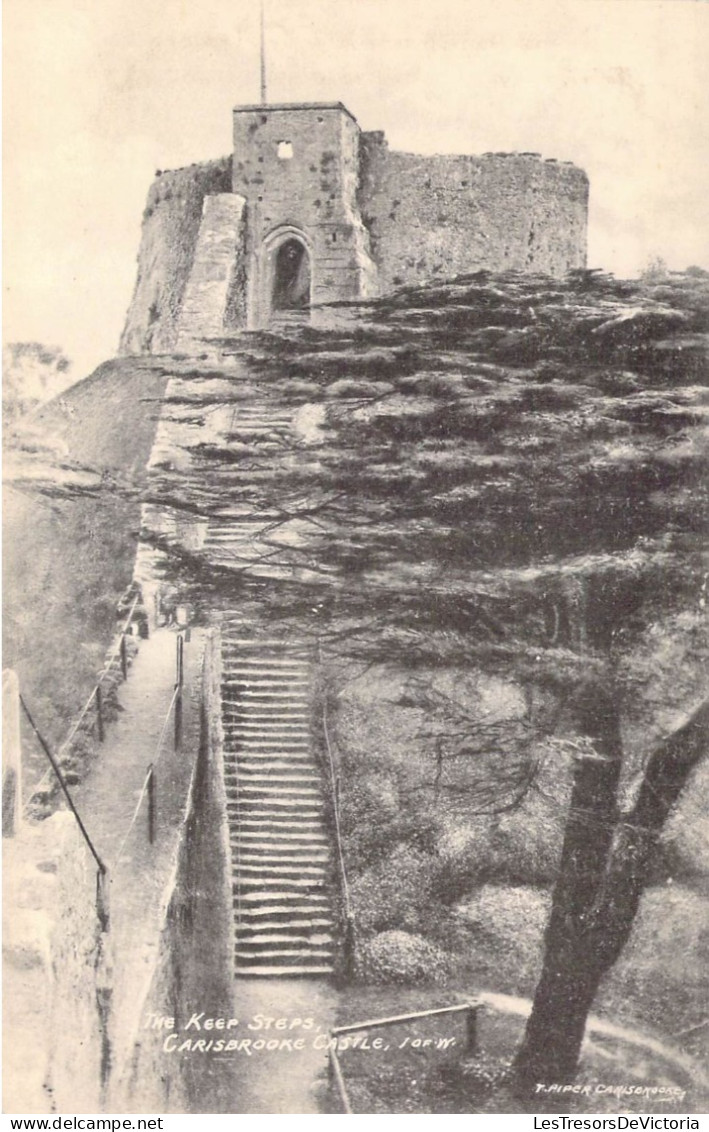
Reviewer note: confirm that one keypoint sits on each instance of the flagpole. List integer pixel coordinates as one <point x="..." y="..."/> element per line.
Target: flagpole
<point x="263" y="56"/>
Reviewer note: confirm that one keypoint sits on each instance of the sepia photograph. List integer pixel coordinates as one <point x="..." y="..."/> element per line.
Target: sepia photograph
<point x="355" y="574"/>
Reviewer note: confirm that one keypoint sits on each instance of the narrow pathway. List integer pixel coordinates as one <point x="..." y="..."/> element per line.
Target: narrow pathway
<point x="108" y="800"/>
<point x="285" y="1081"/>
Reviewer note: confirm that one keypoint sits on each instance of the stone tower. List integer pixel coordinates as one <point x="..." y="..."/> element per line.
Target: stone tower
<point x="310" y="210"/>
<point x="297" y="166"/>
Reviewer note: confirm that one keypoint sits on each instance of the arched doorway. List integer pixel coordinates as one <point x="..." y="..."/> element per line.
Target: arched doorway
<point x="291" y="277"/>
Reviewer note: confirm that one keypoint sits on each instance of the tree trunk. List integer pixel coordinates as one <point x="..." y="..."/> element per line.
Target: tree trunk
<point x="552" y="1042"/>
<point x="604" y="866"/>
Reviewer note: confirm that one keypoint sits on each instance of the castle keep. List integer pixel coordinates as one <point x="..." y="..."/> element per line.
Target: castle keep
<point x="311" y="210"/>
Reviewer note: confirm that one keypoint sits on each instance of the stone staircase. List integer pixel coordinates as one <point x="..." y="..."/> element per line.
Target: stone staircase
<point x="280" y="847"/>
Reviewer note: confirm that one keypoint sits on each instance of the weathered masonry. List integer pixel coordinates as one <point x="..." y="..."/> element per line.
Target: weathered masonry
<point x="311" y="210"/>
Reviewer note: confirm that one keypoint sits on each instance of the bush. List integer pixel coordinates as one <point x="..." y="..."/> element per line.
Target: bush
<point x="401" y="957"/>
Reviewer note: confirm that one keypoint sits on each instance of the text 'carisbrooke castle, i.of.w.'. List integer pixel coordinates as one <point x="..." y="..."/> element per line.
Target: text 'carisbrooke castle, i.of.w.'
<point x="311" y="210"/>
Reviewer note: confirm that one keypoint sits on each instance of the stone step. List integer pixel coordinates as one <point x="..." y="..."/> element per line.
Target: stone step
<point x="275" y="788"/>
<point x="266" y="897"/>
<point x="236" y="676"/>
<point x="283" y="953"/>
<point x="295" y="923"/>
<point x="282" y="855"/>
<point x="281" y="882"/>
<point x="265" y="679"/>
<point x="269" y="769"/>
<point x="297" y="744"/>
<point x="242" y="641"/>
<point x="297" y="807"/>
<point x="247" y="694"/>
<point x="253" y="801"/>
<point x="265" y="866"/>
<point x="297" y="906"/>
<point x="262" y="701"/>
<point x="295" y="758"/>
<point x="258" y="743"/>
<point x="268" y="826"/>
<point x="235" y="756"/>
<point x="304" y="971"/>
<point x="266" y="938"/>
<point x="262" y="760"/>
<point x="280" y="846"/>
<point x="293" y="729"/>
<point x="260" y="643"/>
<point x="291" y="841"/>
<point x="276" y="860"/>
<point x="249" y="778"/>
<point x="234" y="734"/>
<point x="289" y="919"/>
<point x="307" y="819"/>
<point x="266" y="726"/>
<point x="273" y="715"/>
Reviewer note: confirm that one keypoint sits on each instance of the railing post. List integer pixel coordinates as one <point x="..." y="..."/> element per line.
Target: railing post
<point x="336" y="1075"/>
<point x="178" y="719"/>
<point x="349" y="947"/>
<point x="178" y="697"/>
<point x="11" y="754"/>
<point x="471" y="1027"/>
<point x="99" y="712"/>
<point x="124" y="657"/>
<point x="103" y="910"/>
<point x="151" y="804"/>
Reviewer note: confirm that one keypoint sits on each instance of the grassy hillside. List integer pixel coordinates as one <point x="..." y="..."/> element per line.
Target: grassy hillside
<point x="71" y="519"/>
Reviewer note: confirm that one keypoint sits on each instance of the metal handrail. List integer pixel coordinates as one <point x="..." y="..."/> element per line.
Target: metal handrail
<point x="340" y="1082"/>
<point x="469" y="1008"/>
<point x="67" y="793"/>
<point x="374" y="1023"/>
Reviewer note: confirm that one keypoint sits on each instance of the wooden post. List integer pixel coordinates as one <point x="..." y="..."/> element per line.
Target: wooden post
<point x="178" y="699"/>
<point x="151" y="804"/>
<point x="103" y="910"/>
<point x="11" y="754"/>
<point x="99" y="713"/>
<point x="178" y="719"/>
<point x="349" y="947"/>
<point x="471" y="1028"/>
<point x="124" y="657"/>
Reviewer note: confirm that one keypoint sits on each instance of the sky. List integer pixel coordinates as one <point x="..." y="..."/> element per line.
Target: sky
<point x="98" y="94"/>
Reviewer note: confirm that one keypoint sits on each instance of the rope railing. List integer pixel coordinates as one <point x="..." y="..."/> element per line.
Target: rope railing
<point x="349" y="942"/>
<point x="95" y="695"/>
<point x="336" y="809"/>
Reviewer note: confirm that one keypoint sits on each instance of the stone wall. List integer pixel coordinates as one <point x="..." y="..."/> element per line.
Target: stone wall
<point x="216" y="283"/>
<point x="440" y="216"/>
<point x="56" y="969"/>
<point x="171" y="225"/>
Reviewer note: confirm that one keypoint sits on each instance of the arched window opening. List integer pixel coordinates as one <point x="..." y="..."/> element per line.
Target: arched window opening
<point x="291" y="281"/>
